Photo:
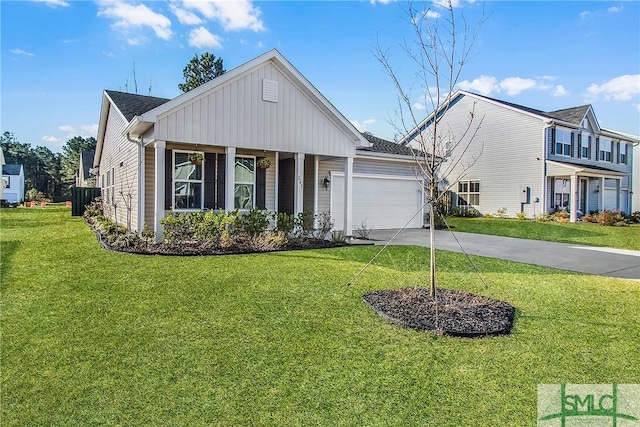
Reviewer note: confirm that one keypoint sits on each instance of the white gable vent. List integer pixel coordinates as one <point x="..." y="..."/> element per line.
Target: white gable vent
<point x="269" y="90"/>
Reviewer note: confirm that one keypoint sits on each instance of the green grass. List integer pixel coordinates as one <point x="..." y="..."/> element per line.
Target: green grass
<point x="575" y="233"/>
<point x="91" y="337"/>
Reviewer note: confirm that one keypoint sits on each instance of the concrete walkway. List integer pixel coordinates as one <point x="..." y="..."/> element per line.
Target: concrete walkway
<point x="609" y="262"/>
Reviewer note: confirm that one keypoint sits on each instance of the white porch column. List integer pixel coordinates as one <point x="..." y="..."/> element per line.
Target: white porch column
<point x="230" y="179"/>
<point x="140" y="195"/>
<point x="316" y="164"/>
<point x="277" y="186"/>
<point x="298" y="193"/>
<point x="601" y="195"/>
<point x="348" y="196"/>
<point x="573" y="198"/>
<point x="158" y="210"/>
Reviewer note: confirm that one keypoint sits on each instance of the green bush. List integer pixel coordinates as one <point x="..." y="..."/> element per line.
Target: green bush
<point x="521" y="215"/>
<point x="285" y="223"/>
<point x="253" y="222"/>
<point x="176" y="227"/>
<point x="469" y="212"/>
<point x="210" y="225"/>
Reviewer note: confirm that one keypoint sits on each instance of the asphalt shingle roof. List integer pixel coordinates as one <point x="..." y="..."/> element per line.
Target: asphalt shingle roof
<point x="132" y="105"/>
<point x="388" y="147"/>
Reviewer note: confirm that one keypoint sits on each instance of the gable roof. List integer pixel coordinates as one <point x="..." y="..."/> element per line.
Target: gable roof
<point x="131" y="105"/>
<point x="571" y="117"/>
<point x="11" y="169"/>
<point x="295" y="76"/>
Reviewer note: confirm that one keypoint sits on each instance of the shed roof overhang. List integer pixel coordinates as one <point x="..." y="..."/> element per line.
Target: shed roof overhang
<point x="583" y="170"/>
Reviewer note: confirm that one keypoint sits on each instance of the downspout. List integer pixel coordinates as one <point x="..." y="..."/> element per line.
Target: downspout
<point x="140" y="173"/>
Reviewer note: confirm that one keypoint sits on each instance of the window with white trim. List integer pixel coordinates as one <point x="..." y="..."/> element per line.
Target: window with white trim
<point x="468" y="193"/>
<point x="561" y="193"/>
<point x="244" y="194"/>
<point x="623" y="153"/>
<point x="6" y="182"/>
<point x="605" y="150"/>
<point x="563" y="142"/>
<point x="188" y="183"/>
<point x="584" y="146"/>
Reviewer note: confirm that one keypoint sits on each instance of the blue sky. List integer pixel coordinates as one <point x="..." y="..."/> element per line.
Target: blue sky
<point x="59" y="55"/>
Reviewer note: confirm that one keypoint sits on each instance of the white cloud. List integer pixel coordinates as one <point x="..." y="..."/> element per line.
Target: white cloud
<point x="585" y="14"/>
<point x="22" y="52"/>
<point x="50" y="139"/>
<point x="89" y="130"/>
<point x="373" y="2"/>
<point x="515" y="85"/>
<point x="445" y="3"/>
<point x="67" y="128"/>
<point x="622" y="88"/>
<point x="430" y="14"/>
<point x="419" y="106"/>
<point x="137" y="41"/>
<point x="232" y="15"/>
<point x="560" y="91"/>
<point x="129" y="15"/>
<point x="184" y="16"/>
<point x="614" y="9"/>
<point x="53" y="3"/>
<point x="108" y="54"/>
<point x="637" y="106"/>
<point x="201" y="37"/>
<point x="362" y="127"/>
<point x="484" y="85"/>
<point x="84" y="131"/>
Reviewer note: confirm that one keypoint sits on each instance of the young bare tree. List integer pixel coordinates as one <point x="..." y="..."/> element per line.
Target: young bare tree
<point x="441" y="47"/>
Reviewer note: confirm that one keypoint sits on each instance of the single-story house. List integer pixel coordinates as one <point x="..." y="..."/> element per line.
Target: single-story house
<point x="84" y="177"/>
<point x="263" y="109"/>
<point x="531" y="161"/>
<point x="13" y="183"/>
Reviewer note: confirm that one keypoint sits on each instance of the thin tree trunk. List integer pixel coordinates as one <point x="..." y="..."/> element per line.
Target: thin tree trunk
<point x="432" y="240"/>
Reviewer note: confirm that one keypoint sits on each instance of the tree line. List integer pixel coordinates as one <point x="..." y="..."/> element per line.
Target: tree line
<point x="47" y="174"/>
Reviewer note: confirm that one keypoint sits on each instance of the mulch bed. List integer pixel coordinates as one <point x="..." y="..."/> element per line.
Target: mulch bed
<point x="459" y="313"/>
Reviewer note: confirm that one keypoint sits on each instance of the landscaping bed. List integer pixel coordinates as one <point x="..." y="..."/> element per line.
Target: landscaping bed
<point x="453" y="312"/>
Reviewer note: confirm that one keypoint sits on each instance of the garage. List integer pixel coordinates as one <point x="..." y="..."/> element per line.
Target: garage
<point x="380" y="202"/>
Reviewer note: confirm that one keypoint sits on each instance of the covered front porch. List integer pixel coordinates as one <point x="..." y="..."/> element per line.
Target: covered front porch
<point x="585" y="188"/>
<point x="230" y="178"/>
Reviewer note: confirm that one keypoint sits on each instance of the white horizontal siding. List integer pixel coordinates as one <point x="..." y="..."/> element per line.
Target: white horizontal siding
<point x="236" y="115"/>
<point x="506" y="154"/>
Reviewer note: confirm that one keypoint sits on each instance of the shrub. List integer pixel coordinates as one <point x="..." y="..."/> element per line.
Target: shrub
<point x="253" y="222"/>
<point x="176" y="228"/>
<point x="610" y="218"/>
<point x="338" y="236"/>
<point x="561" y="216"/>
<point x="633" y="217"/>
<point x="469" y="212"/>
<point x="521" y="215"/>
<point x="285" y="223"/>
<point x="362" y="231"/>
<point x="502" y="213"/>
<point x="487" y="215"/>
<point x="210" y="225"/>
<point x="324" y="224"/>
<point x="94" y="209"/>
<point x="544" y="217"/>
<point x="268" y="241"/>
<point x="35" y="195"/>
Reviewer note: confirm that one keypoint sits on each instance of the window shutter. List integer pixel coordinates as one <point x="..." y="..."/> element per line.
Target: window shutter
<point x="613" y="152"/>
<point x="551" y="139"/>
<point x="261" y="186"/>
<point x="572" y="150"/>
<point x="617" y="152"/>
<point x="626" y="154"/>
<point x="168" y="178"/>
<point x="209" y="166"/>
<point x="579" y="145"/>
<point x="597" y="148"/>
<point x="221" y="171"/>
<point x="589" y="147"/>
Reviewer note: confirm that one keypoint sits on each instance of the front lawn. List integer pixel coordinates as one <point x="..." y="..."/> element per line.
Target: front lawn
<point x="91" y="337"/>
<point x="575" y="233"/>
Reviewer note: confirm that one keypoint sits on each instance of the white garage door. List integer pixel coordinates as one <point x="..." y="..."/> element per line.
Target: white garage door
<point x="380" y="202"/>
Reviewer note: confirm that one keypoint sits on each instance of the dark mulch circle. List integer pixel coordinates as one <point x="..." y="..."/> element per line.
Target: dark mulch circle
<point x="459" y="313"/>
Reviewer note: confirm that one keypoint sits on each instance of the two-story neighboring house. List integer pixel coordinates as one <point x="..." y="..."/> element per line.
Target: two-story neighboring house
<point x="532" y="161"/>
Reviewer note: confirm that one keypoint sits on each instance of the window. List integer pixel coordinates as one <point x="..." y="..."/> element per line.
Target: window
<point x="561" y="193"/>
<point x="563" y="142"/>
<point x="468" y="193"/>
<point x="245" y="183"/>
<point x="623" y="153"/>
<point x="605" y="150"/>
<point x="187" y="182"/>
<point x="6" y="182"/>
<point x="107" y="188"/>
<point x="584" y="146"/>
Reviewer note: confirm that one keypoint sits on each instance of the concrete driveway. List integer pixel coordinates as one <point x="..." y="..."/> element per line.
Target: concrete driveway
<point x="609" y="262"/>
